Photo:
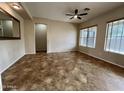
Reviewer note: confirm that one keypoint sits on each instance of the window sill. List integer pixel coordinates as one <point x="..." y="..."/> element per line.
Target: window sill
<point x="115" y="52"/>
<point x="86" y="47"/>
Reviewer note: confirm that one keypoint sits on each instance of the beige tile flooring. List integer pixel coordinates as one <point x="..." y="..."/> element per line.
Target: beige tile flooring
<point x="62" y="71"/>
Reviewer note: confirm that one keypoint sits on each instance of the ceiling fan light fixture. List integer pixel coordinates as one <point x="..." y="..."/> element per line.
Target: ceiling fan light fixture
<point x="75" y="16"/>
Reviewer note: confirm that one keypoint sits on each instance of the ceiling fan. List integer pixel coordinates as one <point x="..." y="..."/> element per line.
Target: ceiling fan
<point x="76" y="15"/>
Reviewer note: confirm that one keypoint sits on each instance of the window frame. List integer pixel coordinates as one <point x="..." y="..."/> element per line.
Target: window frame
<point x="106" y="36"/>
<point x="88" y="36"/>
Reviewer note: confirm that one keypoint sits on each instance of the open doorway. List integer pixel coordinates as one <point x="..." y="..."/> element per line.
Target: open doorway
<point x="41" y="37"/>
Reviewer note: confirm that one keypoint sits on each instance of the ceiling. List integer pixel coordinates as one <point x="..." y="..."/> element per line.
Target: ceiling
<point x="57" y="10"/>
<point x="22" y="11"/>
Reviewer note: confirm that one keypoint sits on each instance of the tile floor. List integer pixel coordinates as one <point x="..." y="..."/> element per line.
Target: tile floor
<point x="62" y="71"/>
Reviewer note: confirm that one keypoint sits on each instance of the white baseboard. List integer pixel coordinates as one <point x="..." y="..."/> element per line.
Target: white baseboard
<point x="102" y="59"/>
<point x="61" y="51"/>
<point x="6" y="69"/>
<point x="12" y="63"/>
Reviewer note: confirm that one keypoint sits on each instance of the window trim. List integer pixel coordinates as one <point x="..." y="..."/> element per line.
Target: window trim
<point x="87" y="27"/>
<point x="117" y="19"/>
<point x="106" y="35"/>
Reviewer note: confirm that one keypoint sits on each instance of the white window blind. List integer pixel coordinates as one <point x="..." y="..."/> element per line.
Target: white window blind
<point x="114" y="41"/>
<point x="88" y="37"/>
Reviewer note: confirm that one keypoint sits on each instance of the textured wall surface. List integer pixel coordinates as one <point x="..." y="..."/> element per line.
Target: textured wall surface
<point x="61" y="36"/>
<point x="99" y="52"/>
<point x="11" y="50"/>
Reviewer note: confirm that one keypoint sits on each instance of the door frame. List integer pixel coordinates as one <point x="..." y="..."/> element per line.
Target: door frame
<point x="46" y="36"/>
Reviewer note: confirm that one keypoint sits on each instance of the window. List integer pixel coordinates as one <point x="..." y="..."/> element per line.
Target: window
<point x="88" y="37"/>
<point x="115" y="37"/>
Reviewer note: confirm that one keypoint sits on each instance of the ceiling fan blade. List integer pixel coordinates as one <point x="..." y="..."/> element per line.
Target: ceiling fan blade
<point x="69" y="14"/>
<point x="76" y="11"/>
<point x="86" y="9"/>
<point x="82" y="14"/>
<point x="71" y="17"/>
<point x="79" y="17"/>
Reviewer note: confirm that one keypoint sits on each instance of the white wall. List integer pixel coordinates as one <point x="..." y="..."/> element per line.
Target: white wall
<point x="99" y="52"/>
<point x="0" y="83"/>
<point x="61" y="36"/>
<point x="11" y="50"/>
<point x="29" y="35"/>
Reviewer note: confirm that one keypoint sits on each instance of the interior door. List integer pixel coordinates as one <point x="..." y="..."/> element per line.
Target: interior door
<point x="41" y="37"/>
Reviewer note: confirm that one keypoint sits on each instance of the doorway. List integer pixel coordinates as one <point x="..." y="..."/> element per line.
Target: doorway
<point x="41" y="37"/>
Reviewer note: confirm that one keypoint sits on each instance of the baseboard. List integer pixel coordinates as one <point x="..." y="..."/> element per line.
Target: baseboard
<point x="102" y="59"/>
<point x="6" y="69"/>
<point x="61" y="51"/>
<point x="12" y="63"/>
